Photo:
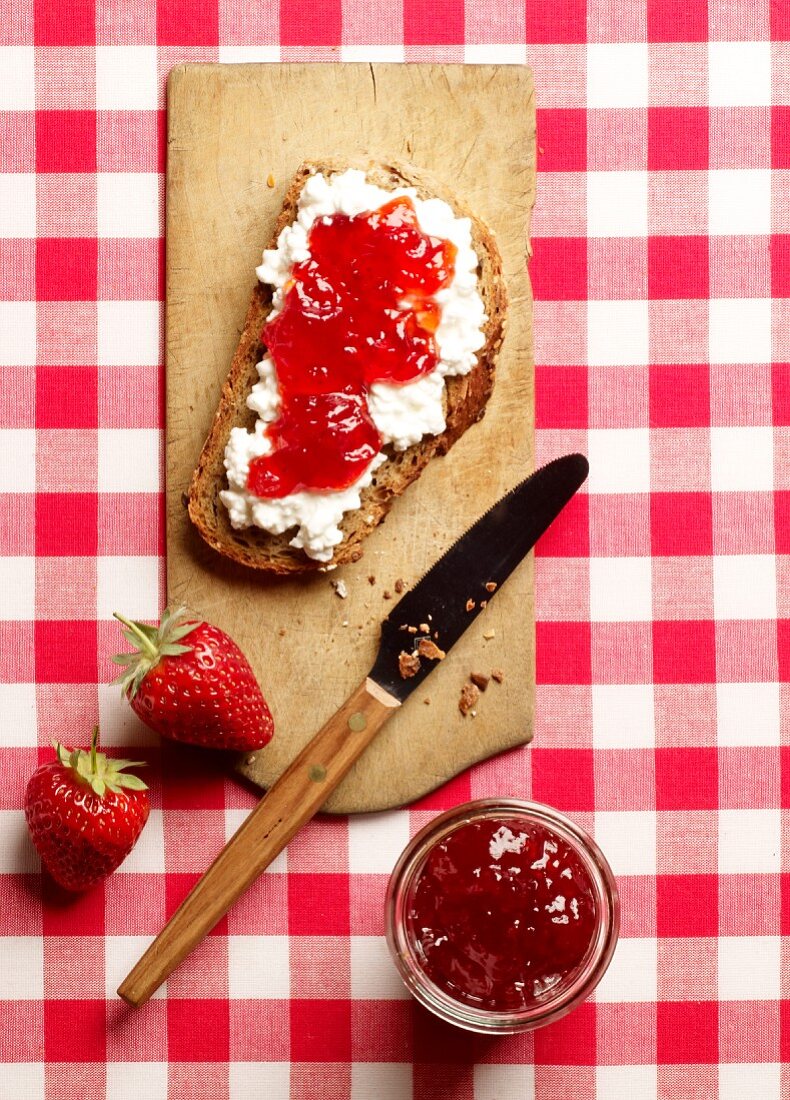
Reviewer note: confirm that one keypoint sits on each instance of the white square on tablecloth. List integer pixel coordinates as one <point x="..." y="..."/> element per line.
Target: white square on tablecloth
<point x="617" y="334"/>
<point x="739" y="1081"/>
<point x="148" y="854"/>
<point x="128" y="204"/>
<point x="25" y="1080"/>
<point x="632" y="973"/>
<point x="258" y="966"/>
<point x="620" y="590"/>
<point x="748" y="714"/>
<point x="742" y="459"/>
<point x="380" y="53"/>
<point x="623" y="716"/>
<point x="250" y="1080"/>
<point x="739" y="201"/>
<point x="137" y="1080"/>
<point x="21" y="968"/>
<point x="626" y="1082"/>
<point x="739" y="74"/>
<point x="376" y="840"/>
<point x="17" y="588"/>
<point x="744" y="586"/>
<point x="748" y="968"/>
<point x="126" y="78"/>
<point x="628" y="838"/>
<point x="119" y="725"/>
<point x="17" y="206"/>
<point x="120" y="955"/>
<point x="749" y="842"/>
<point x="129" y="333"/>
<point x="617" y="204"/>
<point x="617" y="74"/>
<point x="18" y="728"/>
<point x="489" y="53"/>
<point x="739" y="330"/>
<point x="373" y="973"/>
<point x="17" y="334"/>
<point x="619" y="460"/>
<point x="504" y="1082"/>
<point x="17" y="854"/>
<point x="379" y="1081"/>
<point x="18" y="84"/>
<point x="234" y="819"/>
<point x="129" y="585"/>
<point x="17" y="460"/>
<point x="129" y="460"/>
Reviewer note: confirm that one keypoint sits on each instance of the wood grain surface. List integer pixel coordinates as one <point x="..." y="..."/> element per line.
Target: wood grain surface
<point x="233" y="131"/>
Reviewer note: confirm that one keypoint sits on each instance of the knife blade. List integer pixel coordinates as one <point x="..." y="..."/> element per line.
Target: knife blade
<point x="486" y="555"/>
<point x="449" y="597"/>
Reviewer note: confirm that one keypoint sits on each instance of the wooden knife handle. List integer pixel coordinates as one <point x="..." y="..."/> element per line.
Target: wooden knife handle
<point x="296" y="796"/>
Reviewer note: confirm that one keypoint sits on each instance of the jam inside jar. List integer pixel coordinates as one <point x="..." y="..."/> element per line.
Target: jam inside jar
<point x="502" y="915"/>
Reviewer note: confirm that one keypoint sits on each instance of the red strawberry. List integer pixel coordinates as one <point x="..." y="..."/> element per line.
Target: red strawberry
<point x="203" y="692"/>
<point x="84" y="813"/>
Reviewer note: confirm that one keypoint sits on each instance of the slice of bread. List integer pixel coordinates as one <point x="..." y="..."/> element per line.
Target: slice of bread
<point x="465" y="397"/>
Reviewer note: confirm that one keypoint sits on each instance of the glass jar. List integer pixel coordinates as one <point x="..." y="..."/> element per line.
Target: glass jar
<point x="602" y="901"/>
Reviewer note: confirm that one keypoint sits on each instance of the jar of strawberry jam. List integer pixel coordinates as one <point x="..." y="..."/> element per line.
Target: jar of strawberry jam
<point x="502" y="915"/>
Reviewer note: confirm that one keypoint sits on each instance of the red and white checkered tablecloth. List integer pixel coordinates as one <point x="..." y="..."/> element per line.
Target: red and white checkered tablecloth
<point x="662" y="323"/>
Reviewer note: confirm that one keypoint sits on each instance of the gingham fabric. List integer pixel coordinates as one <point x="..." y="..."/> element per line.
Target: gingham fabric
<point x="662" y="279"/>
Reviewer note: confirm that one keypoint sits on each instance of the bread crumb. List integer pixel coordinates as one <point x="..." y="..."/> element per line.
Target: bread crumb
<point x="408" y="665"/>
<point x="469" y="696"/>
<point x="281" y="631"/>
<point x="340" y="588"/>
<point x="483" y="605"/>
<point x="345" y="622"/>
<point x="399" y="586"/>
<point x="270" y="180"/>
<point x="387" y="594"/>
<point x="491" y="586"/>
<point x="427" y="702"/>
<point x="371" y="579"/>
<point x="404" y="627"/>
<point x="470" y="605"/>
<point x="473" y="713"/>
<point x="429" y="649"/>
<point x="425" y="628"/>
<point x="479" y="679"/>
<point x="488" y="635"/>
<point x="412" y="629"/>
<point x="497" y="674"/>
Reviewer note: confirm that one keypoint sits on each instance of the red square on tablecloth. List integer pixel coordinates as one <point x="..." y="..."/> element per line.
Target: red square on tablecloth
<point x="66" y="397"/>
<point x="68" y="914"/>
<point x="65" y="141"/>
<point x="64" y="24"/>
<point x="686" y="778"/>
<point x="679" y="395"/>
<point x="422" y="24"/>
<point x="561" y="397"/>
<point x="561" y="22"/>
<point x="569" y="535"/>
<point x="681" y="524"/>
<point x="66" y="652"/>
<point x="198" y="1030"/>
<point x="66" y="269"/>
<point x="187" y="23"/>
<point x="561" y="139"/>
<point x="318" y="905"/>
<point x="780" y="137"/>
<point x="677" y="138"/>
<point x="668" y="21"/>
<point x="564" y="778"/>
<point x="780" y="265"/>
<point x="74" y="1031"/>
<point x="687" y="905"/>
<point x="558" y="269"/>
<point x="677" y="267"/>
<point x="66" y="524"/>
<point x="782" y="521"/>
<point x="570" y="1041"/>
<point x="684" y="652"/>
<point x="563" y="653"/>
<point x="687" y="1031"/>
<point x="320" y="1031"/>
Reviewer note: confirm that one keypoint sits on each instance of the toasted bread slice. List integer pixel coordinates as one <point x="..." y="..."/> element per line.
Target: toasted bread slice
<point x="465" y="398"/>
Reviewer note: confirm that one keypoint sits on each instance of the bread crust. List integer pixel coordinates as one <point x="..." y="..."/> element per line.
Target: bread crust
<point x="465" y="397"/>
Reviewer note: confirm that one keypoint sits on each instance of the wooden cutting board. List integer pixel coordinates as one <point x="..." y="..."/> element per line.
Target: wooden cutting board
<point x="236" y="134"/>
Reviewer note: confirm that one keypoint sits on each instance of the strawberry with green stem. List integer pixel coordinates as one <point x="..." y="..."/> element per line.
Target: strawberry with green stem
<point x="85" y="813"/>
<point x="188" y="681"/>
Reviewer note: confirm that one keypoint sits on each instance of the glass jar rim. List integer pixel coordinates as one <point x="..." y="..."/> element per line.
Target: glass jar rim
<point x="590" y="971"/>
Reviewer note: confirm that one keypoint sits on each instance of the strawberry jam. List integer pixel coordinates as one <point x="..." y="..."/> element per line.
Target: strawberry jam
<point x="501" y="913"/>
<point x="360" y="310"/>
